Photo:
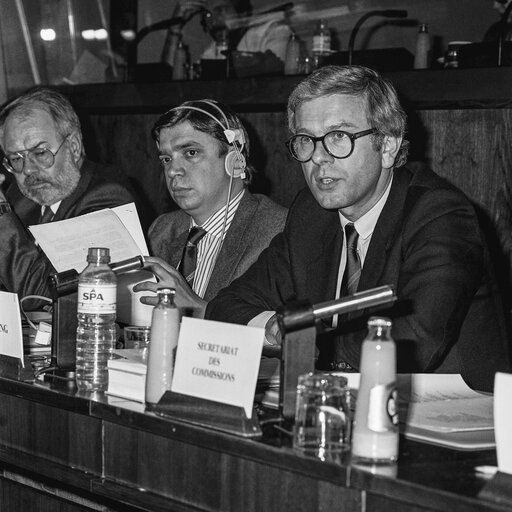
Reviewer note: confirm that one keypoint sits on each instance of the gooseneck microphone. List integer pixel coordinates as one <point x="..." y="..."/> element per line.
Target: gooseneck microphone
<point x="504" y="27"/>
<point x="386" y="13"/>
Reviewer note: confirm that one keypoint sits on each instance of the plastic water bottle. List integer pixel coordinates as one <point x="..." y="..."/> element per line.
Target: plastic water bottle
<point x="422" y="53"/>
<point x="321" y="42"/>
<point x="291" y="62"/>
<point x="96" y="311"/>
<point x="179" y="71"/>
<point x="375" y="432"/>
<point x="165" y="328"/>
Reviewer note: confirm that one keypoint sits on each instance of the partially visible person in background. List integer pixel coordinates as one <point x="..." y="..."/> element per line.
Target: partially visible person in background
<point x="231" y="19"/>
<point x="41" y="137"/>
<point x="494" y="31"/>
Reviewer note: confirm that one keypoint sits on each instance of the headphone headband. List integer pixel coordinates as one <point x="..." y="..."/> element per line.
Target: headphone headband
<point x="233" y="136"/>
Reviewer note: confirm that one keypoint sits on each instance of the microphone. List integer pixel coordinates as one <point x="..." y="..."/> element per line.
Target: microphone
<point x="298" y="316"/>
<point x="160" y="25"/>
<point x="386" y="13"/>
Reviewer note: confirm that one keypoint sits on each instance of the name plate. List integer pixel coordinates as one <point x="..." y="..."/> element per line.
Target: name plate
<point x="503" y="421"/>
<point x="218" y="361"/>
<point x="11" y="336"/>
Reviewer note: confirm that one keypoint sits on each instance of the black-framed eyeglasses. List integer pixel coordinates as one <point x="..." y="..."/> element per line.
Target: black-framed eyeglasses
<point x="45" y="157"/>
<point x="337" y="143"/>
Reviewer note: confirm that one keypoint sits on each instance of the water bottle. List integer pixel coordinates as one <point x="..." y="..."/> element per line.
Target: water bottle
<point x="375" y="432"/>
<point x="96" y="313"/>
<point x="179" y="71"/>
<point x="165" y="328"/>
<point x="422" y="53"/>
<point x="291" y="62"/>
<point x="321" y="41"/>
<point x="222" y="44"/>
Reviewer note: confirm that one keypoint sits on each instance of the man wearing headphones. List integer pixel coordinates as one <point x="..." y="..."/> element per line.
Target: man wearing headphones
<point x="221" y="227"/>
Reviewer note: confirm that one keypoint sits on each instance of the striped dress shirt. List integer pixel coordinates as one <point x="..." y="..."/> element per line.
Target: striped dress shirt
<point x="210" y="245"/>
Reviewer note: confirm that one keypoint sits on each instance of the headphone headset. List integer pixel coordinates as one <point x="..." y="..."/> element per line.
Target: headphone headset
<point x="234" y="162"/>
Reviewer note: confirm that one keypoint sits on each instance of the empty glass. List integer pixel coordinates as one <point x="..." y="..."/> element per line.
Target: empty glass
<point x="322" y="416"/>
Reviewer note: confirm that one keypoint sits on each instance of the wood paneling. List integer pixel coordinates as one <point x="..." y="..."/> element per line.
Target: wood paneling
<point x="51" y="432"/>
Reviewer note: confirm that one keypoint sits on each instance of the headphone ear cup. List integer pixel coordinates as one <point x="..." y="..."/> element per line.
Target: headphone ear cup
<point x="234" y="165"/>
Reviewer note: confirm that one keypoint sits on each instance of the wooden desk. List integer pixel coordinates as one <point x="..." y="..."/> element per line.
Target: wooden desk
<point x="60" y="450"/>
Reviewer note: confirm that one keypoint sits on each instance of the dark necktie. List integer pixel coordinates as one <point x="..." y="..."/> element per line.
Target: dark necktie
<point x="188" y="262"/>
<point x="47" y="215"/>
<point x="353" y="267"/>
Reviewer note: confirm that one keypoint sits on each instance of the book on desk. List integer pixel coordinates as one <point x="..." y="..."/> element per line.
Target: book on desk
<point x="127" y="374"/>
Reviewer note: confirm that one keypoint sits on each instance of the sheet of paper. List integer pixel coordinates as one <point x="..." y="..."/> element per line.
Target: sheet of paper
<point x="11" y="334"/>
<point x="218" y="361"/>
<point x="457" y="415"/>
<point x="66" y="242"/>
<point x="128" y="215"/>
<point x="503" y="421"/>
<point x="439" y="402"/>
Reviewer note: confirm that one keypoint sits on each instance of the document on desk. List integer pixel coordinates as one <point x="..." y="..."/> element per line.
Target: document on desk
<point x="442" y="409"/>
<point x="444" y="403"/>
<point x="66" y="242"/>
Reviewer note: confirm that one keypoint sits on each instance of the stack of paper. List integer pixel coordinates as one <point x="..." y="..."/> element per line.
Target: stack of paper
<point x="442" y="409"/>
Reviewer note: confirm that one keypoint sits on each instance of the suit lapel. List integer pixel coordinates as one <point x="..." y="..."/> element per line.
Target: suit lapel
<point x="176" y="244"/>
<point x="387" y="229"/>
<point x="234" y="245"/>
<point x="323" y="253"/>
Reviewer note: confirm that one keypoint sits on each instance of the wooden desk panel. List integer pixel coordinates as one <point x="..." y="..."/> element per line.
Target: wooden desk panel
<point x="49" y="432"/>
<point x="111" y="458"/>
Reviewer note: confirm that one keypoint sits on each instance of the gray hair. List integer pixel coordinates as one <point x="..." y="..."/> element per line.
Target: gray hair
<point x="383" y="109"/>
<point x="51" y="101"/>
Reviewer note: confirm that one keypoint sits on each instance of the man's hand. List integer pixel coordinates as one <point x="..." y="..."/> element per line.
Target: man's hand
<point x="168" y="276"/>
<point x="272" y="332"/>
<point x="2" y="179"/>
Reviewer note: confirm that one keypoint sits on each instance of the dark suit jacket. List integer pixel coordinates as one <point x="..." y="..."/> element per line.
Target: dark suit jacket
<point x="24" y="269"/>
<point x="256" y="222"/>
<point x="427" y="243"/>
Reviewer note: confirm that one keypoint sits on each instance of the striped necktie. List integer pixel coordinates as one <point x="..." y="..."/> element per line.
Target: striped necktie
<point x="188" y="262"/>
<point x="353" y="266"/>
<point x="46" y="216"/>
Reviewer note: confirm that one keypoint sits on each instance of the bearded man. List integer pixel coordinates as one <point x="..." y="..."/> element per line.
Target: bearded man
<point x="41" y="137"/>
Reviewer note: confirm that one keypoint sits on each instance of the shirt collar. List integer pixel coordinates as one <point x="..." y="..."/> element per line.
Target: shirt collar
<point x="53" y="207"/>
<point x="366" y="224"/>
<point x="212" y="222"/>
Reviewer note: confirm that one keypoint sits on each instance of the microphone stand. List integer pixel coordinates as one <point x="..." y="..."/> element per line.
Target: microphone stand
<point x="160" y="25"/>
<point x="387" y="13"/>
<point x="297" y="324"/>
<point x="503" y="32"/>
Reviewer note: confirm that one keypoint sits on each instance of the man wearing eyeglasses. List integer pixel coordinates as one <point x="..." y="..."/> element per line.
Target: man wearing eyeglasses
<point x="41" y="139"/>
<point x="366" y="221"/>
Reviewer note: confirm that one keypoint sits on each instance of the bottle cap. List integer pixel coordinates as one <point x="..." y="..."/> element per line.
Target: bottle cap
<point x="98" y="255"/>
<point x="165" y="290"/>
<point x="379" y="321"/>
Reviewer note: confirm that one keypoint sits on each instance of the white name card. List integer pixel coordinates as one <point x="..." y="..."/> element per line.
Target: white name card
<point x="218" y="361"/>
<point x="11" y="335"/>
<point x="503" y="421"/>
